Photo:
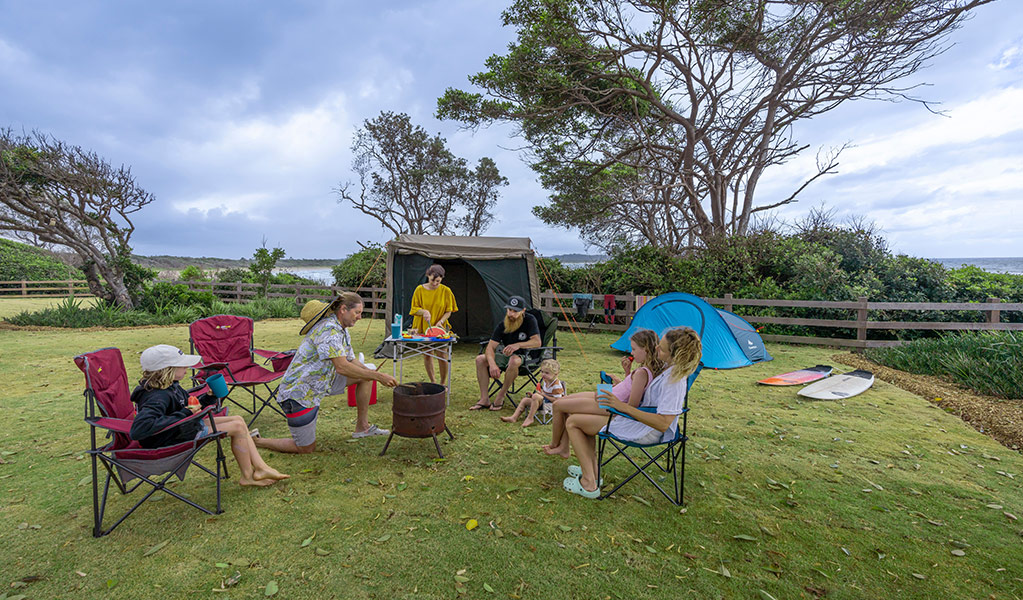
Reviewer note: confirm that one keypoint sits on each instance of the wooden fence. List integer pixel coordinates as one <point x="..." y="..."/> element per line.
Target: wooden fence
<point x="862" y="311"/>
<point x="374" y="298"/>
<point x="992" y="317"/>
<point x="55" y="288"/>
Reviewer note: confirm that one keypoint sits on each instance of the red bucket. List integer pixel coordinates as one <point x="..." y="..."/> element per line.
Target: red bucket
<point x="372" y="394"/>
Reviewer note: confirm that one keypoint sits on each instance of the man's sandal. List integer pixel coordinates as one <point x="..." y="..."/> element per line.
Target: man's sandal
<point x="497" y="407"/>
<point x="479" y="406"/>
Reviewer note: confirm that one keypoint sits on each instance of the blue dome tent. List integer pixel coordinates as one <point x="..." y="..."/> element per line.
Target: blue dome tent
<point x="729" y="341"/>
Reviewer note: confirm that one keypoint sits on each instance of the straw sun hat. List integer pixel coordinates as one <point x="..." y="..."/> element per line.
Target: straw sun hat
<point x="314" y="310"/>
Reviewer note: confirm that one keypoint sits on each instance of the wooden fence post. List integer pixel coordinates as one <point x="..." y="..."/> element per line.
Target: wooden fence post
<point x="861" y="321"/>
<point x="994" y="316"/>
<point x="238" y="291"/>
<point x="24" y="288"/>
<point x="728" y="302"/>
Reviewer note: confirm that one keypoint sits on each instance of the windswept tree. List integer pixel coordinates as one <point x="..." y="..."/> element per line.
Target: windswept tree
<point x="412" y="183"/>
<point x="55" y="193"/>
<point x="644" y="116"/>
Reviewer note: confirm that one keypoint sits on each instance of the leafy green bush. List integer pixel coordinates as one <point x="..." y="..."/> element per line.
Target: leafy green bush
<point x="163" y="297"/>
<point x="988" y="362"/>
<point x="194" y="273"/>
<point x="367" y="267"/>
<point x="23" y="262"/>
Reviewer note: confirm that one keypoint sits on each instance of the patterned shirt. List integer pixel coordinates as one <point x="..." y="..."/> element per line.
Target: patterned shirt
<point x="311" y="374"/>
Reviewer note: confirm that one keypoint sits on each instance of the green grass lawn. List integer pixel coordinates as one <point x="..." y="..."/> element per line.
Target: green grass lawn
<point x="14" y="305"/>
<point x="874" y="497"/>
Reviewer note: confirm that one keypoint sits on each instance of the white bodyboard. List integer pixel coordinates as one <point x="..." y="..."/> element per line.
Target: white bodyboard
<point x="841" y="386"/>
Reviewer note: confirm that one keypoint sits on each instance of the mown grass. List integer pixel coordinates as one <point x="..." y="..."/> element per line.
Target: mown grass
<point x="989" y="362"/>
<point x="865" y="498"/>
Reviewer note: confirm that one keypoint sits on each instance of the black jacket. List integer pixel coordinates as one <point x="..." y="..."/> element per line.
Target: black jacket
<point x="157" y="409"/>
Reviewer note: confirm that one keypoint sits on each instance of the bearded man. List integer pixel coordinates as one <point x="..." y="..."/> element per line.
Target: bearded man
<point x="518" y="331"/>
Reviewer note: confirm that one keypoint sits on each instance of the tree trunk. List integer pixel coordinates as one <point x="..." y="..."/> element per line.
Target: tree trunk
<point x="114" y="291"/>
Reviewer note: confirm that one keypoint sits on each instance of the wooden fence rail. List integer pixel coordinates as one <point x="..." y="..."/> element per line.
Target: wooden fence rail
<point x="993" y="312"/>
<point x="53" y="288"/>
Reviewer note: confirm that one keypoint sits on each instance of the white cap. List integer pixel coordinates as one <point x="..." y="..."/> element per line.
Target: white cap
<point x="163" y="356"/>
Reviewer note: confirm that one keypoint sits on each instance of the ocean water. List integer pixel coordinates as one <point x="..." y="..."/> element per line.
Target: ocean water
<point x="1013" y="266"/>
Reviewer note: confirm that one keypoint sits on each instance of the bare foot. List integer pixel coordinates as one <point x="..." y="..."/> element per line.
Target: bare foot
<point x="256" y="482"/>
<point x="557" y="450"/>
<point x="509" y="419"/>
<point x="269" y="473"/>
<point x="527" y="422"/>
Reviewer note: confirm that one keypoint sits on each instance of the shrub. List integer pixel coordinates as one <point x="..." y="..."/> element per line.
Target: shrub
<point x="367" y="267"/>
<point x="23" y="262"/>
<point x="194" y="273"/>
<point x="162" y="297"/>
<point x="989" y="362"/>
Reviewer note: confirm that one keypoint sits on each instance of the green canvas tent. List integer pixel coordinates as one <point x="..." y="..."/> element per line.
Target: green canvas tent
<point x="481" y="271"/>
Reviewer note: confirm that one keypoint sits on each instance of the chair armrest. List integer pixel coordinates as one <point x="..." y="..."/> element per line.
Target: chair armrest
<point x="270" y="354"/>
<point x="213" y="366"/>
<point x="198" y="415"/>
<point x="110" y="424"/>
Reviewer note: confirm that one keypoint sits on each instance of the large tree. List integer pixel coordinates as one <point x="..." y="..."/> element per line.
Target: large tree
<point x="656" y="119"/>
<point x="55" y="193"/>
<point x="412" y="183"/>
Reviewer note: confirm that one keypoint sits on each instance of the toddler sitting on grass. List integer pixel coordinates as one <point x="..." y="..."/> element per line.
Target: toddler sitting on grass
<point x="549" y="388"/>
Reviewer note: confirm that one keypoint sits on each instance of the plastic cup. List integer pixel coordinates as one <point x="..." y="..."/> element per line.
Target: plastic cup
<point x="217" y="385"/>
<point x="396" y="331"/>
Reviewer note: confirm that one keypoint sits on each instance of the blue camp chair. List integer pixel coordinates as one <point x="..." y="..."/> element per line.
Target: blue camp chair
<point x="672" y="451"/>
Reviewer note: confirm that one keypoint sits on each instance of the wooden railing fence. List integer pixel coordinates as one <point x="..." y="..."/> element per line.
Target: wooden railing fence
<point x="54" y="288"/>
<point x="993" y="312"/>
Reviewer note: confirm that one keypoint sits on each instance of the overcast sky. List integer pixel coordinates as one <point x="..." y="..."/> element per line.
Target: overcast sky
<point x="239" y="117"/>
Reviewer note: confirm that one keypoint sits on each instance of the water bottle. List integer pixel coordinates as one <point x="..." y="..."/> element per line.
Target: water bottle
<point x="396" y="327"/>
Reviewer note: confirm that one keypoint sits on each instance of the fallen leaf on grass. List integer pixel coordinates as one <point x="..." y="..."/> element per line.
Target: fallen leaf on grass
<point x="270" y="589"/>
<point x="1010" y="516"/>
<point x="994" y="506"/>
<point x="641" y="500"/>
<point x="156" y="548"/>
<point x="765" y="596"/>
<point x="744" y="537"/>
<point x="919" y="576"/>
<point x="564" y="528"/>
<point x="383" y="538"/>
<point x="221" y="565"/>
<point x="321" y="552"/>
<point x="232" y="580"/>
<point x="471" y="524"/>
<point x="958" y="552"/>
<point x="487" y="587"/>
<point x="308" y="540"/>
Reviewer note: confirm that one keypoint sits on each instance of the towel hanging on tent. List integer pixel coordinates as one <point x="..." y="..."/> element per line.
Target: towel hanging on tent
<point x="582" y="303"/>
<point x="609" y="308"/>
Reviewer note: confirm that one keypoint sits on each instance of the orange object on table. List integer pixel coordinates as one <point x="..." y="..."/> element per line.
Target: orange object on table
<point x="372" y="394"/>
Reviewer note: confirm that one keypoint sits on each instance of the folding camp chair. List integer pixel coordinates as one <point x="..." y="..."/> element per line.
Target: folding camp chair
<point x="225" y="343"/>
<point x="673" y="452"/>
<point x="108" y="406"/>
<point x="531" y="358"/>
<point x="545" y="413"/>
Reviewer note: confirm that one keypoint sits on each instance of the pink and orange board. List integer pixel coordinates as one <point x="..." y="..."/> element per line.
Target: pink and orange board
<point x="799" y="377"/>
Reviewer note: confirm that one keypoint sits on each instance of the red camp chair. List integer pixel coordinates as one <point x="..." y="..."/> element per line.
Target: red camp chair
<point x="108" y="406"/>
<point x="225" y="343"/>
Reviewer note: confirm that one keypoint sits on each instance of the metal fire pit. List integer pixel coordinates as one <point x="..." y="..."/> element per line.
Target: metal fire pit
<point x="418" y="410"/>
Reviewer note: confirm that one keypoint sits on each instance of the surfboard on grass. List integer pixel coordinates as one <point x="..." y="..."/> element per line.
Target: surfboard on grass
<point x="841" y="386"/>
<point x="800" y="377"/>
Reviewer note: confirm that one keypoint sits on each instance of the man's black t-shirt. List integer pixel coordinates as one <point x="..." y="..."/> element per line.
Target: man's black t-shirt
<point x="527" y="330"/>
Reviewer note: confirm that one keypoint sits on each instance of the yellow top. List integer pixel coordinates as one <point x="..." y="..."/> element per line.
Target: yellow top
<point x="437" y="302"/>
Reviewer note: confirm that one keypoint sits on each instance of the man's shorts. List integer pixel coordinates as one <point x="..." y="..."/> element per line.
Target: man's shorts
<point x="301" y="421"/>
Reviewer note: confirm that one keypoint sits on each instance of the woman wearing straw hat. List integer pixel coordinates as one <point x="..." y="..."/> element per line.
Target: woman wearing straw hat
<point x="325" y="363"/>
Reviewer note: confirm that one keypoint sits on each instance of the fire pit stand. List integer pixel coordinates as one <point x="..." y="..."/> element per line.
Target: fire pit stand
<point x="418" y="412"/>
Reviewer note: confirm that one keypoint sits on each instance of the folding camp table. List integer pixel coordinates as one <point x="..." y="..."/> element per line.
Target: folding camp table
<point x="405" y="348"/>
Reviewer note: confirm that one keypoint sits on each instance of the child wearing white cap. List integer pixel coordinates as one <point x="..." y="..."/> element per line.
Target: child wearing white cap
<point x="160" y="401"/>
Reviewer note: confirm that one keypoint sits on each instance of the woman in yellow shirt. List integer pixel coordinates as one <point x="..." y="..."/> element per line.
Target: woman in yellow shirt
<point x="432" y="304"/>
